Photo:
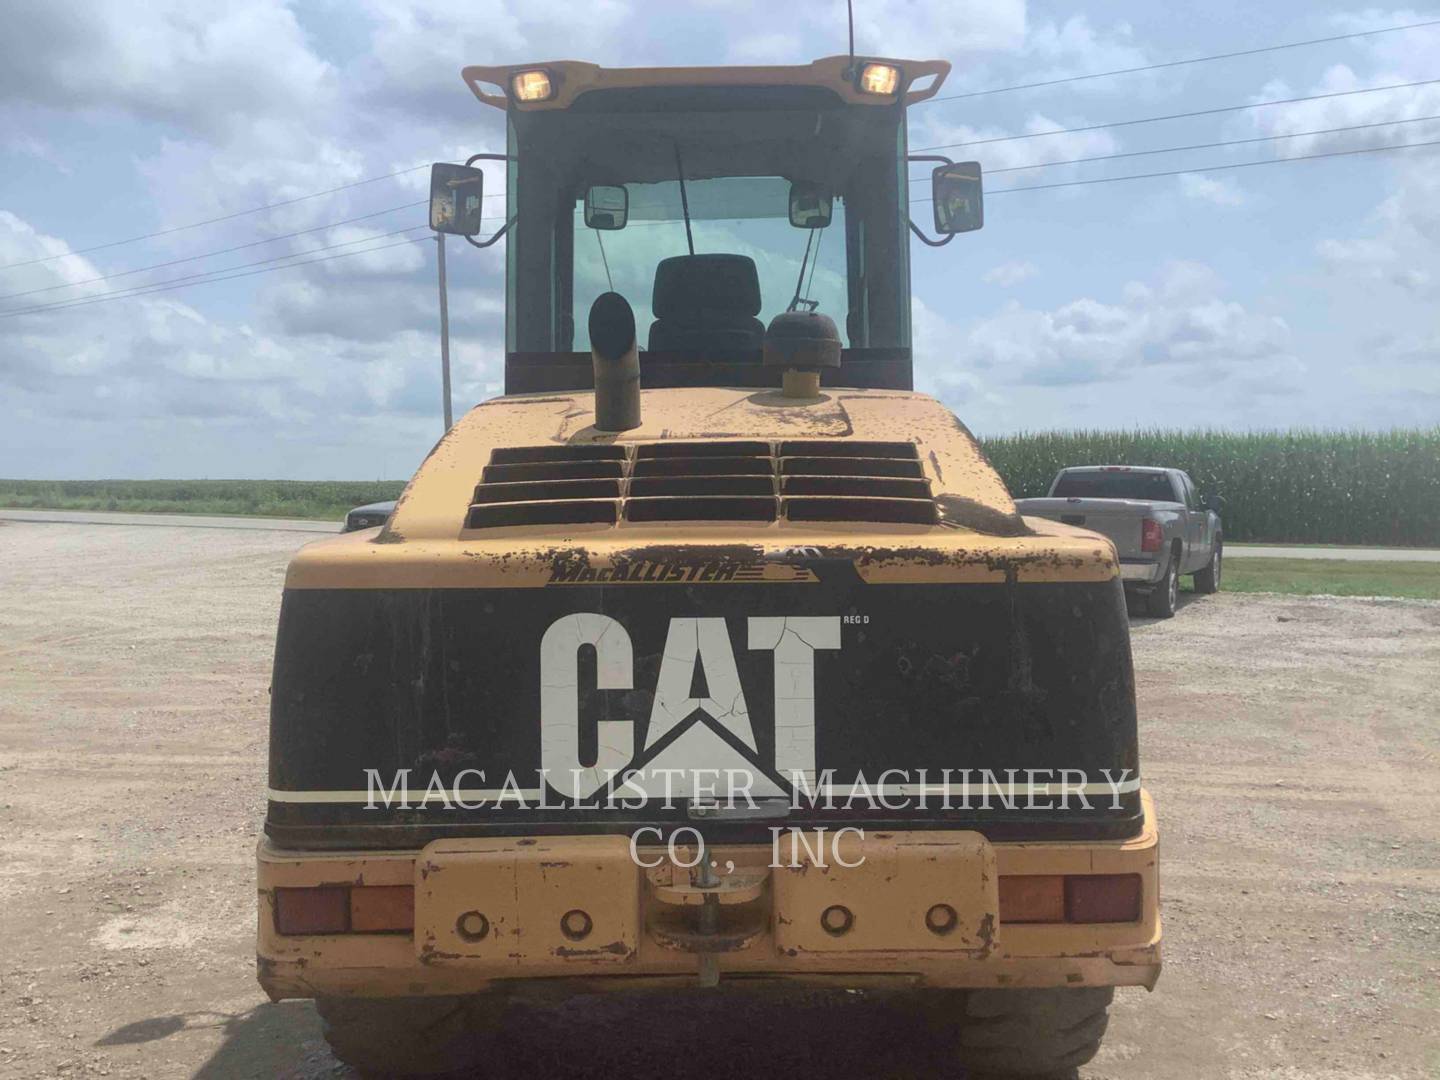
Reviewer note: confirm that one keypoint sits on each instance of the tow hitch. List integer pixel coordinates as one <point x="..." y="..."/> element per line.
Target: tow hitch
<point x="698" y="909"/>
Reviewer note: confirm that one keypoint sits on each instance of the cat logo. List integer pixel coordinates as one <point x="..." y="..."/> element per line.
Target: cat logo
<point x="686" y="736"/>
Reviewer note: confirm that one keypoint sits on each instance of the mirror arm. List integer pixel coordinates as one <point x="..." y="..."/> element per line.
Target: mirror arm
<point x="501" y="232"/>
<point x="916" y="230"/>
<point x="504" y="228"/>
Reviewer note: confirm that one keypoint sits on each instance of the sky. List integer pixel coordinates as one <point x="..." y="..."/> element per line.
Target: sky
<point x="1301" y="293"/>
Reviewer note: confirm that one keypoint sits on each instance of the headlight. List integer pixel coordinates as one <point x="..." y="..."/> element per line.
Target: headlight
<point x="531" y="86"/>
<point x="879" y="79"/>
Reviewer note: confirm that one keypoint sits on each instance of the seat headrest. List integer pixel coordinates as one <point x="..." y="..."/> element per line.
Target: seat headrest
<point x="686" y="285"/>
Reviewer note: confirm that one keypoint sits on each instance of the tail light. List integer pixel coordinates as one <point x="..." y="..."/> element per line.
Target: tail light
<point x="1072" y="898"/>
<point x="343" y="909"/>
<point x="1152" y="536"/>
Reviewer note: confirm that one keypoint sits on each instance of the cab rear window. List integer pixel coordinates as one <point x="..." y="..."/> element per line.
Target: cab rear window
<point x="1115" y="485"/>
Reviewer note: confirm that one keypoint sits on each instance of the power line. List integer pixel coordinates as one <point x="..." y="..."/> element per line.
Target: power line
<point x="219" y="275"/>
<point x="1178" y="116"/>
<point x="143" y="290"/>
<point x="222" y="217"/>
<point x="1193" y="146"/>
<point x="1206" y="168"/>
<point x="229" y="217"/>
<point x="135" y="290"/>
<point x="1182" y="63"/>
<point x="209" y="254"/>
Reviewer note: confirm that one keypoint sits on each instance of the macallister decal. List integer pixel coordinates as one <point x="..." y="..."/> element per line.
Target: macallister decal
<point x="698" y="570"/>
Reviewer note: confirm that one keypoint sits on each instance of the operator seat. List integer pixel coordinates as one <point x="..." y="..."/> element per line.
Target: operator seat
<point x="707" y="303"/>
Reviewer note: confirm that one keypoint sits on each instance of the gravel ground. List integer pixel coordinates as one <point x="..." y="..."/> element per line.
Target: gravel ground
<point x="1289" y="741"/>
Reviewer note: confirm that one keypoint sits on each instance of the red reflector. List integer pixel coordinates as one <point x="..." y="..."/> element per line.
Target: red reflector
<point x="1032" y="898"/>
<point x="1151" y="535"/>
<point x="1102" y="898"/>
<point x="377" y="909"/>
<point x="324" y="910"/>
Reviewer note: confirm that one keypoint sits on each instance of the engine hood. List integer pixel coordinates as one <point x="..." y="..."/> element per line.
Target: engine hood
<point x="976" y="535"/>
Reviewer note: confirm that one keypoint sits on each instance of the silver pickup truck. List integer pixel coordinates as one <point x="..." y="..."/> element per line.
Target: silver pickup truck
<point x="1158" y="522"/>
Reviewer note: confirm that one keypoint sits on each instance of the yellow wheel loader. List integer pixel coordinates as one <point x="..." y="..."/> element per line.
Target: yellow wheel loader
<point x="710" y="653"/>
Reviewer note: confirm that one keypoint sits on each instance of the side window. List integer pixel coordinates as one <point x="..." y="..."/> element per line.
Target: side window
<point x="1188" y="490"/>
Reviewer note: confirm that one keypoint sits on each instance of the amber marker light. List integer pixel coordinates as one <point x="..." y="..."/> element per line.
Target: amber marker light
<point x="341" y="909"/>
<point x="879" y="79"/>
<point x="531" y="86"/>
<point x="1073" y="898"/>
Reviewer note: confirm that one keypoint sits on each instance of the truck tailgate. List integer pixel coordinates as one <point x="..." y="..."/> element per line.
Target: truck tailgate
<point x="1117" y="519"/>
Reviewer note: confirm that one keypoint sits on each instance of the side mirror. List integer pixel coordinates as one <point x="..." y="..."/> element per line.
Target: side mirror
<point x="456" y="194"/>
<point x="811" y="205"/>
<point x="1213" y="502"/>
<point x="959" y="197"/>
<point x="607" y="207"/>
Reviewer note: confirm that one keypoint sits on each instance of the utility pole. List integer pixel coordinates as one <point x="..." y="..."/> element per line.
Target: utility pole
<point x="444" y="329"/>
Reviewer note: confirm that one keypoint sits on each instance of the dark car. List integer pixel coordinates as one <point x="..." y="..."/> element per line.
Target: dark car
<point x="368" y="516"/>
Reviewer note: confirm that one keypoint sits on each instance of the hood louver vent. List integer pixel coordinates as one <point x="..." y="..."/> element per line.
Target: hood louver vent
<point x="703" y="481"/>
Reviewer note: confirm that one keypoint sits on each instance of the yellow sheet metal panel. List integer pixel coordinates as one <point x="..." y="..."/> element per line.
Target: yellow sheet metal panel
<point x="503" y="904"/>
<point x="931" y="892"/>
<point x="427" y="545"/>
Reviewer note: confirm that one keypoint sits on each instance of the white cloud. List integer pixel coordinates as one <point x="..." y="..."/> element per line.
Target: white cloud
<point x="205" y="65"/>
<point x="1397" y="242"/>
<point x="1180" y="319"/>
<point x="1075" y="47"/>
<point x="1010" y="273"/>
<point x="998" y="148"/>
<point x="925" y="28"/>
<point x="158" y="357"/>
<point x="225" y="106"/>
<point x="1209" y="189"/>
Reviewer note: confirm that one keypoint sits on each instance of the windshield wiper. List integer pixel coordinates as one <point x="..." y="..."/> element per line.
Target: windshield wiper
<point x="684" y="202"/>
<point x="796" y="301"/>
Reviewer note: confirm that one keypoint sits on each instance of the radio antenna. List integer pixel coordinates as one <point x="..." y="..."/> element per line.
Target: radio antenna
<point x="850" y="19"/>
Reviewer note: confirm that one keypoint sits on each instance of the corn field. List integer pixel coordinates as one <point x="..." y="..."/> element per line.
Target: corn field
<point x="1309" y="487"/>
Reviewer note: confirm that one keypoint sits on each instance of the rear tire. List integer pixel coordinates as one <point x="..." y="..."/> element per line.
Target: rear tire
<point x="415" y="1036"/>
<point x="1034" y="1033"/>
<point x="1208" y="580"/>
<point x="1165" y="596"/>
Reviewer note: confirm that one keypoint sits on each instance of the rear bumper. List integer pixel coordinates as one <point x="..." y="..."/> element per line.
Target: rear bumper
<point x="1139" y="572"/>
<point x="643" y="922"/>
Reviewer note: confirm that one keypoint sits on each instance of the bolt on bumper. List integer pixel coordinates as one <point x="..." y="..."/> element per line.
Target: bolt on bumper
<point x="922" y="907"/>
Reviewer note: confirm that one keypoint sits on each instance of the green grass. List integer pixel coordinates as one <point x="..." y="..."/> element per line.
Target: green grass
<point x="1303" y="487"/>
<point x="1336" y="577"/>
<point x="321" y="499"/>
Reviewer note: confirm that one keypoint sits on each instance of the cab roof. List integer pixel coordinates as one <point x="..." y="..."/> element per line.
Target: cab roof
<point x="575" y="78"/>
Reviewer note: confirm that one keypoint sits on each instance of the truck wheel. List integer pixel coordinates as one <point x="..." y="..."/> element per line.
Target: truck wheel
<point x="1208" y="580"/>
<point x="1164" y="597"/>
<point x="416" y="1036"/>
<point x="1033" y="1033"/>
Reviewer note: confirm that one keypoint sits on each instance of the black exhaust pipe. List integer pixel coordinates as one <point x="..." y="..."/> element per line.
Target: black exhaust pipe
<point x="617" y="363"/>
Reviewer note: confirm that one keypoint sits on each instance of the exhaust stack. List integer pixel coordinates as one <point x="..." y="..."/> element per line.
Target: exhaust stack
<point x="617" y="363"/>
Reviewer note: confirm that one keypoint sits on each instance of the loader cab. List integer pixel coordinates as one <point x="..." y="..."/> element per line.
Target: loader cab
<point x="712" y="200"/>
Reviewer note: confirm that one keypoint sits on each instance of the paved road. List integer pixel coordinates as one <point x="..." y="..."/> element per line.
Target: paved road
<point x="188" y="521"/>
<point x="1345" y="554"/>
